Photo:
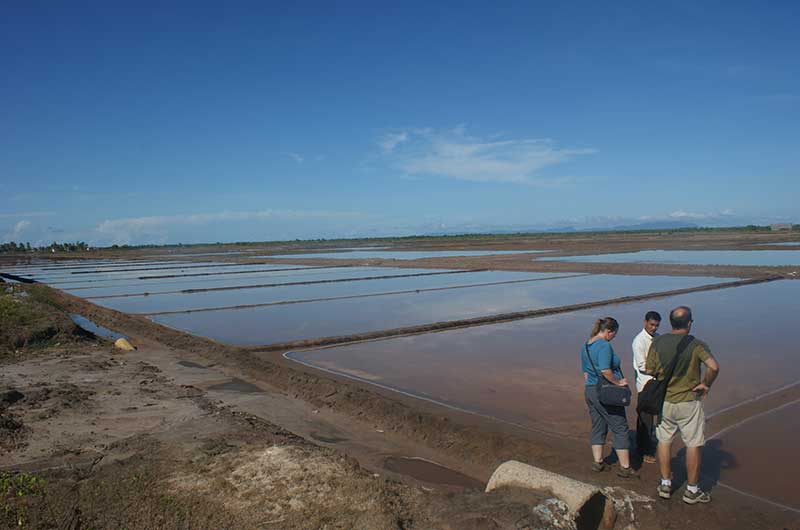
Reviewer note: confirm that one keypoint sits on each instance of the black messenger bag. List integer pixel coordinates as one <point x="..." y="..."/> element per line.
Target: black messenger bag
<point x="651" y="398"/>
<point x="608" y="393"/>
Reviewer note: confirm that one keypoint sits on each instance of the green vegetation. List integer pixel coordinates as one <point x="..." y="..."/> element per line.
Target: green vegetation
<point x="17" y="493"/>
<point x="80" y="246"/>
<point x="11" y="246"/>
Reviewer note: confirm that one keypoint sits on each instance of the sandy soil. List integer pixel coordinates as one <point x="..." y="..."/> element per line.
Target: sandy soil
<point x="189" y="433"/>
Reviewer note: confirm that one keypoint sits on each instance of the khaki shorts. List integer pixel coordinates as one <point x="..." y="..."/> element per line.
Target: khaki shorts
<point x="688" y="418"/>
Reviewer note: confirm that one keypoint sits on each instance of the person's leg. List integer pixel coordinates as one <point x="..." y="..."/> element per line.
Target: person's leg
<point x="597" y="436"/>
<point x="618" y="424"/>
<point x="624" y="456"/>
<point x="693" y="459"/>
<point x="664" y="456"/>
<point x="665" y="431"/>
<point x="644" y="436"/>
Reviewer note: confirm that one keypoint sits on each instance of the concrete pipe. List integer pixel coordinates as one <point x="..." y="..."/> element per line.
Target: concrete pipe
<point x="588" y="506"/>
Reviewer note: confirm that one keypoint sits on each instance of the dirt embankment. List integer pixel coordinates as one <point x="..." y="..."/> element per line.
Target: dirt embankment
<point x="467" y="444"/>
<point x="98" y="438"/>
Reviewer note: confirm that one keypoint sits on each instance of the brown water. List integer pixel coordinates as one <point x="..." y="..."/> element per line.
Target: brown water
<point x="528" y="372"/>
<point x="430" y="472"/>
<point x="759" y="456"/>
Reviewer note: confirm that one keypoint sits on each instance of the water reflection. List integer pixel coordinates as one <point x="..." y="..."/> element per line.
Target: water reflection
<point x="772" y="258"/>
<point x="401" y="254"/>
<point x="279" y="293"/>
<point x="528" y="372"/>
<point x="265" y="325"/>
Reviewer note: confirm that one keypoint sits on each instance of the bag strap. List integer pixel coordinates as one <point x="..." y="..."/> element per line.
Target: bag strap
<point x="682" y="345"/>
<point x="598" y="373"/>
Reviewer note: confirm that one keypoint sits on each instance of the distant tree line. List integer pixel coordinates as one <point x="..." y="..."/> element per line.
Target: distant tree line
<point x="11" y="246"/>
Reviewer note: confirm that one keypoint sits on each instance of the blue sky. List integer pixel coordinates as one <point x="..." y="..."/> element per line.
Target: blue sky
<point x="261" y="121"/>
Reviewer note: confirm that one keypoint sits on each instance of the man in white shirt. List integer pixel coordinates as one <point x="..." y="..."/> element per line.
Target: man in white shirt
<point x="645" y="422"/>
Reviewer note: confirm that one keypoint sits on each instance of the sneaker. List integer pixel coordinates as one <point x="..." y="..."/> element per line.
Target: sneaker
<point x="598" y="466"/>
<point x="701" y="496"/>
<point x="627" y="472"/>
<point x="664" y="491"/>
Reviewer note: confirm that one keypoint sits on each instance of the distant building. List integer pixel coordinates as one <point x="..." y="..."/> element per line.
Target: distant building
<point x="780" y="226"/>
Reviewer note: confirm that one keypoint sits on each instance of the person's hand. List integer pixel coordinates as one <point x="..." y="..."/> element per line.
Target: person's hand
<point x="622" y="382"/>
<point x="701" y="390"/>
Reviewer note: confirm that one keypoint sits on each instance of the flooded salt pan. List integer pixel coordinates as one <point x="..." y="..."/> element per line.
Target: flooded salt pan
<point x="528" y="372"/>
<point x="400" y="254"/>
<point x="772" y="258"/>
<point x="311" y="291"/>
<point x="271" y="324"/>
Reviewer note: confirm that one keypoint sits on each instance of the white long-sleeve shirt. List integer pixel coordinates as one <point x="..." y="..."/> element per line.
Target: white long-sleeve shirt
<point x="641" y="345"/>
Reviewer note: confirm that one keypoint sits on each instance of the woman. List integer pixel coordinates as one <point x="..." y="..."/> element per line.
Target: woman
<point x="605" y="417"/>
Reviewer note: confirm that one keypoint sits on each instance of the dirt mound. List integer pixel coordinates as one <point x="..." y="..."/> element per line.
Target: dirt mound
<point x="30" y="320"/>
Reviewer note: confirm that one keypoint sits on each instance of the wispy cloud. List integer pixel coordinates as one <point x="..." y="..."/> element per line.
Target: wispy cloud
<point x="25" y="214"/>
<point x="157" y="228"/>
<point x="17" y="231"/>
<point x="297" y="158"/>
<point x="699" y="216"/>
<point x="455" y="154"/>
<point x="391" y="140"/>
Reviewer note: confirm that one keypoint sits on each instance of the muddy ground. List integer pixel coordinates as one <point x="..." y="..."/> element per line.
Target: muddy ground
<point x="189" y="433"/>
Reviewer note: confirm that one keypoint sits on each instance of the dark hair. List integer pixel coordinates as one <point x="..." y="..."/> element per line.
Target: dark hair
<point x="602" y="324"/>
<point x="652" y="315"/>
<point x="680" y="317"/>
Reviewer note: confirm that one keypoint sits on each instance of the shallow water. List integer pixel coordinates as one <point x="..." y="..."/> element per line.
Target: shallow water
<point x="155" y="272"/>
<point x="528" y="372"/>
<point x="772" y="258"/>
<point x="743" y="457"/>
<point x="401" y="254"/>
<point x="93" y="328"/>
<point x="233" y="280"/>
<point x="430" y="472"/>
<point x="278" y="293"/>
<point x="266" y="325"/>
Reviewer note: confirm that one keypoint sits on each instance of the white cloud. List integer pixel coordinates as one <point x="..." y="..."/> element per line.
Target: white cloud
<point x="682" y="214"/>
<point x="391" y="140"/>
<point x="26" y="214"/>
<point x="454" y="154"/>
<point x="17" y="231"/>
<point x="157" y="228"/>
<point x="297" y="158"/>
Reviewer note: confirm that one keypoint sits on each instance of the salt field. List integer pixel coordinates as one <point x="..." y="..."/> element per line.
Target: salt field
<point x="770" y="258"/>
<point x="280" y="323"/>
<point x="504" y="370"/>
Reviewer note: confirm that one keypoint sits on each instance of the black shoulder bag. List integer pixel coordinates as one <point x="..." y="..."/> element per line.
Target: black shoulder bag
<point x="608" y="393"/>
<point x="651" y="398"/>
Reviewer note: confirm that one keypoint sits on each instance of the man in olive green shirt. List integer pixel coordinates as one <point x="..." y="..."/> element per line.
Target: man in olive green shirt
<point x="683" y="406"/>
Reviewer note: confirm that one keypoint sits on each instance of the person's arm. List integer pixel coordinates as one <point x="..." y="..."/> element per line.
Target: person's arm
<point x="652" y="363"/>
<point x="711" y="373"/>
<point x="639" y="355"/>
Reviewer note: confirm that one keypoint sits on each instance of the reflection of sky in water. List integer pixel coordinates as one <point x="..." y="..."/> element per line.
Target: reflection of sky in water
<point x="201" y="282"/>
<point x="784" y="244"/>
<point x="69" y="267"/>
<point x="693" y="257"/>
<point x="498" y="369"/>
<point x="265" y="325"/>
<point x="402" y="254"/>
<point x="202" y="300"/>
<point x="151" y="273"/>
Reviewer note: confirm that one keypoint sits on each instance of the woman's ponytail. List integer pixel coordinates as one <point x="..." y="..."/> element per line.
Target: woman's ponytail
<point x="602" y="324"/>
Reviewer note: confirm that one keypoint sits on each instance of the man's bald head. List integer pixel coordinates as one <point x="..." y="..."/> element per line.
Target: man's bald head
<point x="680" y="317"/>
